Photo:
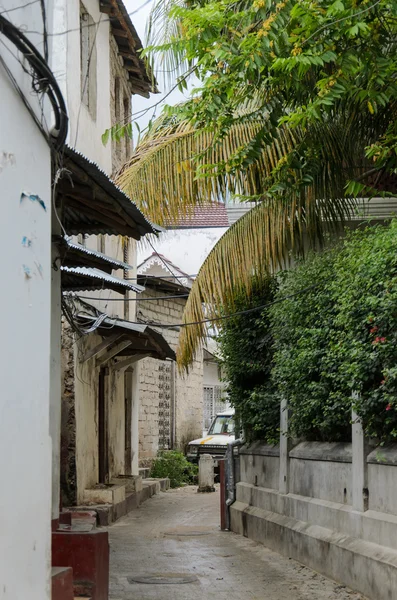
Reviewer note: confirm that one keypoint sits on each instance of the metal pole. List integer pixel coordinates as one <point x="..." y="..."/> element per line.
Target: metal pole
<point x="222" y="480"/>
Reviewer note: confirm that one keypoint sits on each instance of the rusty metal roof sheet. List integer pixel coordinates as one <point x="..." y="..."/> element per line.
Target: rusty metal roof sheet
<point x="116" y="215"/>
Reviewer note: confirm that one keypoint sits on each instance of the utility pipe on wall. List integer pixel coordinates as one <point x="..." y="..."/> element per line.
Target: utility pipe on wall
<point x="230" y="479"/>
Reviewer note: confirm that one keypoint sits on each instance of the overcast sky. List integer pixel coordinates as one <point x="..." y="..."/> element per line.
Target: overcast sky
<point x="139" y="20"/>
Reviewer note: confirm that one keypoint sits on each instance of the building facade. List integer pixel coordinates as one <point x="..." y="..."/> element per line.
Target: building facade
<point x="171" y="403"/>
<point x="214" y="387"/>
<point x="99" y="385"/>
<point x="25" y="177"/>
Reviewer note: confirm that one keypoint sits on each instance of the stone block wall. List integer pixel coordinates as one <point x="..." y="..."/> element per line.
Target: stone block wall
<point x="68" y="420"/>
<point x="187" y="390"/>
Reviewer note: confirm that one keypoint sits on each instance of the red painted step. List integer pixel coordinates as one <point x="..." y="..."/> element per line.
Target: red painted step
<point x="83" y="589"/>
<point x="62" y="583"/>
<point x="88" y="555"/>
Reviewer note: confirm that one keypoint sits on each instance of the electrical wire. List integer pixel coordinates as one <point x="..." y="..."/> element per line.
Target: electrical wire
<point x="45" y="32"/>
<point x="165" y="263"/>
<point x="23" y="98"/>
<point x="222" y="317"/>
<point x="9" y="10"/>
<point x="43" y="81"/>
<point x="134" y="299"/>
<point x="74" y="29"/>
<point x="237" y="313"/>
<point x="149" y="277"/>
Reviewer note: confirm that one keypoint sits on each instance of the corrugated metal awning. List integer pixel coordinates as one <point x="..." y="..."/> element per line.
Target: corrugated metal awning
<point x="90" y="202"/>
<point x="78" y="279"/>
<point x="76" y="255"/>
<point x="127" y="342"/>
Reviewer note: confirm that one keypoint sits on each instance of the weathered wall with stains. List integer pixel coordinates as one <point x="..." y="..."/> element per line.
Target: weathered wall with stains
<point x="87" y="124"/>
<point x="86" y="408"/>
<point x="25" y="444"/>
<point x="116" y="422"/>
<point x="188" y="402"/>
<point x="79" y="437"/>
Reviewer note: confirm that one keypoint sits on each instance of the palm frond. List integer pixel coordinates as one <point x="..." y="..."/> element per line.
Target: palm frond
<point x="176" y="166"/>
<point x="298" y="179"/>
<point x="261" y="242"/>
<point x="161" y="30"/>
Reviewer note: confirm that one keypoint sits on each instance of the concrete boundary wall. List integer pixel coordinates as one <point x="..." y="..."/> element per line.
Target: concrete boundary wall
<point x="332" y="507"/>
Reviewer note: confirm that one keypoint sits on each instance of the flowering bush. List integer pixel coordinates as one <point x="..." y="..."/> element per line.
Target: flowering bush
<point x="333" y="332"/>
<point x="341" y="337"/>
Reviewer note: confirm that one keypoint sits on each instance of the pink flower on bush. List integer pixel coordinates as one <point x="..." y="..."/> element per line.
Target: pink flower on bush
<point x="374" y="329"/>
<point x="389" y="406"/>
<point x="379" y="340"/>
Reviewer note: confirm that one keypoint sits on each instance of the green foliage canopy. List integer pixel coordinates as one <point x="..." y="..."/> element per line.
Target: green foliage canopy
<point x="296" y="62"/>
<point x="295" y="109"/>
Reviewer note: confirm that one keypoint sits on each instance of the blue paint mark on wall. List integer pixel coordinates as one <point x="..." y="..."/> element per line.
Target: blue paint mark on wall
<point x="27" y="271"/>
<point x="33" y="198"/>
<point x="26" y="242"/>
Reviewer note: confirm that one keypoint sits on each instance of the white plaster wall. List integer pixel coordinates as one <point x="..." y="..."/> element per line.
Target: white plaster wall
<point x="85" y="132"/>
<point x="211" y="374"/>
<point x="25" y="447"/>
<point x="187" y="248"/>
<point x="382" y="484"/>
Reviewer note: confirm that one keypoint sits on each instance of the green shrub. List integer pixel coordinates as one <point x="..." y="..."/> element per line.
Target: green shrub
<point x="367" y="323"/>
<point x="246" y="348"/>
<point x="331" y="331"/>
<point x="174" y="465"/>
<point x="341" y="337"/>
<point x="306" y="361"/>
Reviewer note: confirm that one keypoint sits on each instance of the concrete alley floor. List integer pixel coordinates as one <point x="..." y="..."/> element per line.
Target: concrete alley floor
<point x="175" y="537"/>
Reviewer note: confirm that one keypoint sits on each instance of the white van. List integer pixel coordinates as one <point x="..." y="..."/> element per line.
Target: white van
<point x="215" y="442"/>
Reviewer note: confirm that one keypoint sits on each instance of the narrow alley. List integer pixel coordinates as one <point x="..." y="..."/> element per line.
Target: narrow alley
<point x="172" y="548"/>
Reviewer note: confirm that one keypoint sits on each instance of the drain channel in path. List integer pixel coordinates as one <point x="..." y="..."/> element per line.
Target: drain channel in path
<point x="185" y="530"/>
<point x="163" y="578"/>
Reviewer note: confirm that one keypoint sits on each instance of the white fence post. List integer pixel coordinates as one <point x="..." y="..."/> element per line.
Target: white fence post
<point x="359" y="463"/>
<point x="284" y="448"/>
<point x="206" y="473"/>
